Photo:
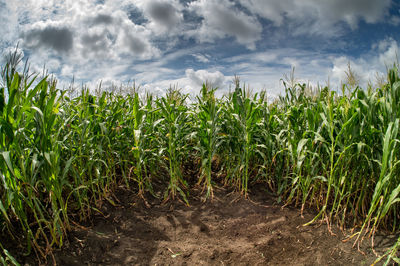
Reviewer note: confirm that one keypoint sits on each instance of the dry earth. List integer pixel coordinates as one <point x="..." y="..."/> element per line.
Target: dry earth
<point x="229" y="230"/>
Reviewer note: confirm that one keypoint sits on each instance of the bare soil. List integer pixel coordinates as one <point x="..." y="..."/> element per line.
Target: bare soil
<point x="229" y="230"/>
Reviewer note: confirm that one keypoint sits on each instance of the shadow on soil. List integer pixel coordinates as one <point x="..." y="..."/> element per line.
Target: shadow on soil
<point x="228" y="230"/>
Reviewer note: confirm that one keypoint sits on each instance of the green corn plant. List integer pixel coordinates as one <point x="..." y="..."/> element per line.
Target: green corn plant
<point x="244" y="116"/>
<point x="173" y="133"/>
<point x="209" y="134"/>
<point x="385" y="177"/>
<point x="148" y="143"/>
<point x="143" y="139"/>
<point x="268" y="125"/>
<point x="30" y="162"/>
<point x="137" y="151"/>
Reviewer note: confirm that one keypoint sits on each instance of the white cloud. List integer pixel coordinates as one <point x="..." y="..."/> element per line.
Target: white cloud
<point x="215" y="79"/>
<point x="84" y="39"/>
<point x="67" y="71"/>
<point x="221" y="19"/>
<point x="389" y="50"/>
<point x="191" y="82"/>
<point x="201" y="58"/>
<point x="133" y="39"/>
<point x="9" y="18"/>
<point x="85" y="30"/>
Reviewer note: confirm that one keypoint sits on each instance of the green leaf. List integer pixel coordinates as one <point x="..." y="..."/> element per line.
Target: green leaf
<point x="3" y="210"/>
<point x="6" y="156"/>
<point x="10" y="257"/>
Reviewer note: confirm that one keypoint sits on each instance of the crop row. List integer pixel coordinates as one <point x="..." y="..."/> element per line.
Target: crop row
<point x="61" y="155"/>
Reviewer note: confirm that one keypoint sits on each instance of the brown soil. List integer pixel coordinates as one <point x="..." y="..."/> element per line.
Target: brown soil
<point x="229" y="230"/>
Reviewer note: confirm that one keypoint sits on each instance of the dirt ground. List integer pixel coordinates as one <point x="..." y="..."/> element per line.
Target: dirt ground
<point x="229" y="230"/>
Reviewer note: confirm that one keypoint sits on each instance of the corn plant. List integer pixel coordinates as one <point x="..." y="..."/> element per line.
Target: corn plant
<point x="143" y="140"/>
<point x="173" y="134"/>
<point x="209" y="133"/>
<point x="243" y="123"/>
<point x="30" y="168"/>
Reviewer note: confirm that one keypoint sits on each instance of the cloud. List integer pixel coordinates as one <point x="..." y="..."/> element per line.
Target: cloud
<point x="160" y="43"/>
<point x="163" y="13"/>
<point x="370" y="11"/>
<point x="320" y="17"/>
<point x="264" y="70"/>
<point x="95" y="42"/>
<point x="215" y="79"/>
<point x="201" y="58"/>
<point x="102" y="19"/>
<point x="135" y="44"/>
<point x="388" y="52"/>
<point x="9" y="20"/>
<point x="49" y="35"/>
<point x="190" y="83"/>
<point x="394" y="20"/>
<point x="269" y="9"/>
<point x="86" y="33"/>
<point x="164" y="17"/>
<point x="382" y="56"/>
<point x="222" y="19"/>
<point x="134" y="40"/>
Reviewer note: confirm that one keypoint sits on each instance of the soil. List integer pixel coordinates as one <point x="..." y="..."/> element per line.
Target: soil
<point x="229" y="230"/>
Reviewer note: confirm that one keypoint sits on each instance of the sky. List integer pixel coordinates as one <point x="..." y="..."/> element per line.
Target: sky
<point x="183" y="43"/>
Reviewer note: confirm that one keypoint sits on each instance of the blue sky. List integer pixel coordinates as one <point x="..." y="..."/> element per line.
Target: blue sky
<point x="158" y="43"/>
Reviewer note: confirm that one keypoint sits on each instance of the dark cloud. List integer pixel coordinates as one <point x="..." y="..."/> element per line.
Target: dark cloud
<point x="370" y="10"/>
<point x="222" y="19"/>
<point x="94" y="42"/>
<point x="163" y="13"/>
<point x="320" y="16"/>
<point x="102" y="19"/>
<point x="136" y="45"/>
<point x="234" y="25"/>
<point x="58" y="39"/>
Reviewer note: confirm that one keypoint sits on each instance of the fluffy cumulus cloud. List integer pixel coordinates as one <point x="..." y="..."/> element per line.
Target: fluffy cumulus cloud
<point x="388" y="50"/>
<point x="71" y="37"/>
<point x="221" y="19"/>
<point x="215" y="79"/>
<point x="191" y="82"/>
<point x="85" y="30"/>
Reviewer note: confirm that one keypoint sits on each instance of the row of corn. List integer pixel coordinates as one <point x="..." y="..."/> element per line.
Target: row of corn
<point x="62" y="154"/>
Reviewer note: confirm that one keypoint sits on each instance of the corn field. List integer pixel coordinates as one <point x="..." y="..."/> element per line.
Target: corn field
<point x="60" y="155"/>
